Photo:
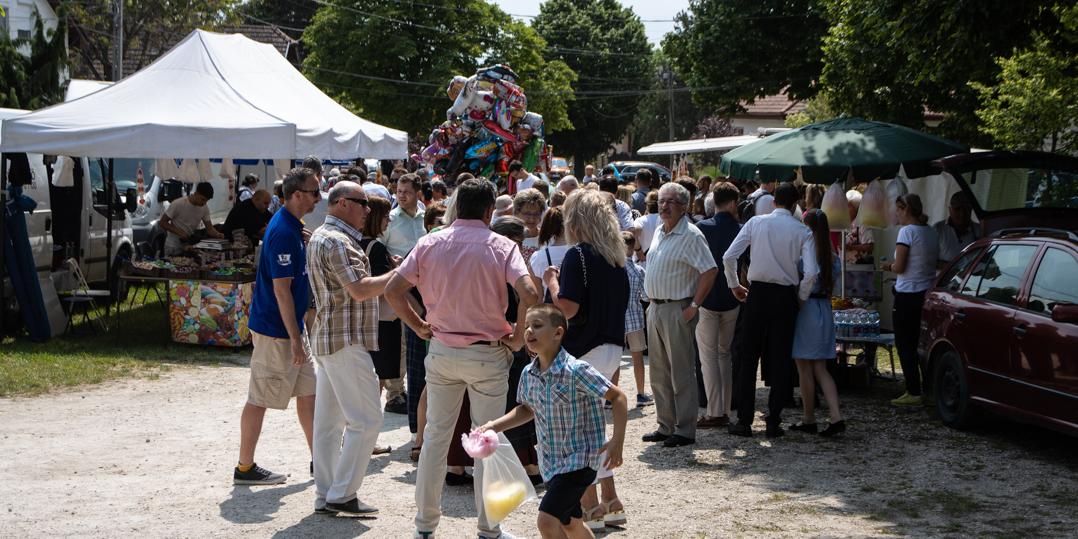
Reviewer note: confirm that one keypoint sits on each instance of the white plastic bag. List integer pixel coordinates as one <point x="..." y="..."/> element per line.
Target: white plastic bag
<point x="836" y="207"/>
<point x="895" y="189"/>
<point x="505" y="483"/>
<point x="871" y="212"/>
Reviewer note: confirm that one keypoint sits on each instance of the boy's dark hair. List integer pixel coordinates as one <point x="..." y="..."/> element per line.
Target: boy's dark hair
<point x="204" y="189"/>
<point x="552" y="313"/>
<point x="786" y="195"/>
<point x="608" y="185"/>
<point x="314" y="164"/>
<point x="724" y="192"/>
<point x="643" y="175"/>
<point x="474" y="198"/>
<point x="357" y="172"/>
<point x="515" y="166"/>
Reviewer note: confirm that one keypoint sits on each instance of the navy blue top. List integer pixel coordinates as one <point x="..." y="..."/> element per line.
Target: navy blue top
<point x="720" y="232"/>
<point x="602" y="301"/>
<point x="283" y="255"/>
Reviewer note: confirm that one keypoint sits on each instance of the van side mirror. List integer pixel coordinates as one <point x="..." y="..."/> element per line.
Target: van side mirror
<point x="131" y="200"/>
<point x="1065" y="313"/>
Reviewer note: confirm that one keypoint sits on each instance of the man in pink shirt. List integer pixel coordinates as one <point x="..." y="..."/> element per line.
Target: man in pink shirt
<point x="461" y="272"/>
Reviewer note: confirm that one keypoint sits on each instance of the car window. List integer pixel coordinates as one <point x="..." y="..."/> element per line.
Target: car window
<point x="998" y="276"/>
<point x="952" y="280"/>
<point x="1056" y="282"/>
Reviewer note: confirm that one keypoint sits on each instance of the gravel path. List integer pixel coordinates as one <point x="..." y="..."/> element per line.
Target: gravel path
<point x="153" y="458"/>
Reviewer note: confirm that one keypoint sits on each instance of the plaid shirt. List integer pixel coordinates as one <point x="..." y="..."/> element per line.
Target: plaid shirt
<point x="334" y="261"/>
<point x="634" y="314"/>
<point x="567" y="401"/>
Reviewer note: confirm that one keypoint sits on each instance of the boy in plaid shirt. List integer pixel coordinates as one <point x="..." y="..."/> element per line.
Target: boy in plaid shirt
<point x="565" y="397"/>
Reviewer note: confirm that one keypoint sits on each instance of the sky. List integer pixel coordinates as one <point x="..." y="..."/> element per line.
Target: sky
<point x="648" y="10"/>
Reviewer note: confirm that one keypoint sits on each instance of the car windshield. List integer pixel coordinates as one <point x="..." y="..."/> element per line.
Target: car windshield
<point x="1015" y="188"/>
<point x="127" y="169"/>
<point x="559" y="162"/>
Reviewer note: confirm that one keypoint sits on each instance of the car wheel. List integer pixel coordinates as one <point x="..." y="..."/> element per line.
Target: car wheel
<point x="952" y="392"/>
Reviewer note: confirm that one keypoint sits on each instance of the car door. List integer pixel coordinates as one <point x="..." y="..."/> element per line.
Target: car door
<point x="984" y="317"/>
<point x="95" y="211"/>
<point x="1046" y="353"/>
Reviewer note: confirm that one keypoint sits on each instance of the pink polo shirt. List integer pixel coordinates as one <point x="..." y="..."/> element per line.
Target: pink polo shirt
<point x="461" y="272"/>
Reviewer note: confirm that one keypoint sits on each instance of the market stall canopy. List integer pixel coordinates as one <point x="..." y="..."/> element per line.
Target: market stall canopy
<point x="716" y="144"/>
<point x="828" y="151"/>
<point x="212" y="95"/>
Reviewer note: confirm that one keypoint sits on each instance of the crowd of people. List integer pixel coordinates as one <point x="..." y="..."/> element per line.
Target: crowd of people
<point x="508" y="305"/>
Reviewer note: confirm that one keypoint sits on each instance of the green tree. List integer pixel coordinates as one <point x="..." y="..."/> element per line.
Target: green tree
<point x="605" y="44"/>
<point x="889" y="60"/>
<point x="739" y="50"/>
<point x="1035" y="97"/>
<point x="652" y="121"/>
<point x="150" y="27"/>
<point x="33" y="81"/>
<point x="291" y="15"/>
<point x="817" y="109"/>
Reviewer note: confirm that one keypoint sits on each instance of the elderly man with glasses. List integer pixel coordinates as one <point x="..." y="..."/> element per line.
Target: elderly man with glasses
<point x="679" y="276"/>
<point x="344" y="332"/>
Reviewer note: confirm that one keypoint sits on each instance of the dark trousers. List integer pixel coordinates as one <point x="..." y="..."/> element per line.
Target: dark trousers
<point x="415" y="355"/>
<point x="767" y="334"/>
<point x="906" y="319"/>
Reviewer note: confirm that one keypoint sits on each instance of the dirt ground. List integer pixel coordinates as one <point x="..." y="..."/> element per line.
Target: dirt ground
<point x="153" y="458"/>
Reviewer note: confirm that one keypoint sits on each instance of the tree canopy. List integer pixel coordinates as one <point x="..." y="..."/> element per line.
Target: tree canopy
<point x="33" y="81"/>
<point x="605" y="44"/>
<point x="738" y="50"/>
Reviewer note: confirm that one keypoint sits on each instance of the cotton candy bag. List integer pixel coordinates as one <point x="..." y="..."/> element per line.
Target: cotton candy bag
<point x="505" y="483"/>
<point x="836" y="207"/>
<point x="872" y="211"/>
<point x="479" y="445"/>
<point x="895" y="189"/>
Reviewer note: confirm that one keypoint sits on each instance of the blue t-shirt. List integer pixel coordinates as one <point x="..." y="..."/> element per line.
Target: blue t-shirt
<point x="720" y="232"/>
<point x="603" y="300"/>
<point x="283" y="255"/>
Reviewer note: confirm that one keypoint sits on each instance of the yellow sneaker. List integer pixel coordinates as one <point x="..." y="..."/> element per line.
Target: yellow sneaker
<point x="908" y="400"/>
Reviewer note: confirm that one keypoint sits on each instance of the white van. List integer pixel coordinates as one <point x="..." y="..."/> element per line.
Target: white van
<point x="72" y="221"/>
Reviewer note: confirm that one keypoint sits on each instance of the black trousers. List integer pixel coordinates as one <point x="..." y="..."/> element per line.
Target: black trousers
<point x="906" y="319"/>
<point x="767" y="333"/>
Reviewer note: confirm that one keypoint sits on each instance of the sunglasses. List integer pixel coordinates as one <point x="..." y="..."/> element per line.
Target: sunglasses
<point x="360" y="201"/>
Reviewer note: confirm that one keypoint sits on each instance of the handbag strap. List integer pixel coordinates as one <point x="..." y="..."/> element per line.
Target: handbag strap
<point x="549" y="262"/>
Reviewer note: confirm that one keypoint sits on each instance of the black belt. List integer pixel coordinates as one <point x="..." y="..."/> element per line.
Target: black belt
<point x="486" y="343"/>
<point x="662" y="301"/>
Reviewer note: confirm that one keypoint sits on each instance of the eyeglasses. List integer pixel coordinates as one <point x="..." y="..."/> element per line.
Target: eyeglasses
<point x="360" y="201"/>
<point x="665" y="202"/>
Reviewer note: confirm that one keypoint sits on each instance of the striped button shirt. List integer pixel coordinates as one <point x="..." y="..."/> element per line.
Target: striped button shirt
<point x="676" y="260"/>
<point x="567" y="400"/>
<point x="634" y="315"/>
<point x="334" y="261"/>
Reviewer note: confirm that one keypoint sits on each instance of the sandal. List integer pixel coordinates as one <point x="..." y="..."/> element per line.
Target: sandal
<point x="594" y="522"/>
<point x="414" y="453"/>
<point x="613" y="518"/>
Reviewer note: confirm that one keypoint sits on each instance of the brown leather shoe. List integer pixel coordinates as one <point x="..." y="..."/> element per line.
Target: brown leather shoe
<point x="712" y="422"/>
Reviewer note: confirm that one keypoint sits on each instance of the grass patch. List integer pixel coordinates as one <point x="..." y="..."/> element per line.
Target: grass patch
<point x="138" y="345"/>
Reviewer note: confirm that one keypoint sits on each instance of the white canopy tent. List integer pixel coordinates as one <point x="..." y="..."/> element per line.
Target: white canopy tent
<point x="212" y="95"/>
<point x="679" y="147"/>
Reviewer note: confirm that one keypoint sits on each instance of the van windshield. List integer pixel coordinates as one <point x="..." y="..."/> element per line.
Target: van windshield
<point x="999" y="189"/>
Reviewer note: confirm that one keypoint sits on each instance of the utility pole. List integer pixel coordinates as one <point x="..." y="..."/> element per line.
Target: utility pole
<point x="118" y="40"/>
<point x="668" y="77"/>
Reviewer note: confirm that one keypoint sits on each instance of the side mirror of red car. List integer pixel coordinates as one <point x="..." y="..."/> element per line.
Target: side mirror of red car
<point x="1066" y="313"/>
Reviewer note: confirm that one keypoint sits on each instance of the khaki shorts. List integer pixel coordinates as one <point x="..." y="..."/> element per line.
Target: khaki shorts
<point x="274" y="379"/>
<point x="636" y="341"/>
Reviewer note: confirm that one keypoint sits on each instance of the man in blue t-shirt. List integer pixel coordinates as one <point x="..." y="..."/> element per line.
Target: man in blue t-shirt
<point x="281" y="365"/>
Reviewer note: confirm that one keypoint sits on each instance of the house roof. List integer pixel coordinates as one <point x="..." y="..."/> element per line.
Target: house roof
<point x="772" y="106"/>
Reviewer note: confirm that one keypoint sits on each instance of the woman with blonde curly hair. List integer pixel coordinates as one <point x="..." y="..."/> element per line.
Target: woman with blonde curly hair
<point x="592" y="289"/>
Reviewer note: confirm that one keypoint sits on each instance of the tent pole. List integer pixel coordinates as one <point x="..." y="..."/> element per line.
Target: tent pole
<point x="109" y="187"/>
<point x="3" y="240"/>
<point x="842" y="264"/>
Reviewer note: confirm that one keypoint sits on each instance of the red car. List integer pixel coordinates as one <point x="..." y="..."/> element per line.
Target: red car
<point x="1000" y="329"/>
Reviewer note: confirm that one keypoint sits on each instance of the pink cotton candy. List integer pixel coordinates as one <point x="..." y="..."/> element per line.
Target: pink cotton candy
<point x="479" y="445"/>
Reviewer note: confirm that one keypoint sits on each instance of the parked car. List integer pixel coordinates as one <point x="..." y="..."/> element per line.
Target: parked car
<point x="625" y="171"/>
<point x="1000" y="328"/>
<point x="559" y="168"/>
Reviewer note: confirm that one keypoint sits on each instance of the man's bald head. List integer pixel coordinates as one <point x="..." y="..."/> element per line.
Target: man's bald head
<point x="261" y="199"/>
<point x="345" y="189"/>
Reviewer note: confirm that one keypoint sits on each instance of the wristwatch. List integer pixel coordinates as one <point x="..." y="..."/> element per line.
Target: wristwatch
<point x="694" y="305"/>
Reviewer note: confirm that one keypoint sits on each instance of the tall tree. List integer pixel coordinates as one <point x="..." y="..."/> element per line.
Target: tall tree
<point x="1033" y="104"/>
<point x="743" y="49"/>
<point x="35" y="80"/>
<point x="150" y="26"/>
<point x="652" y="121"/>
<point x="889" y="60"/>
<point x="291" y="15"/>
<point x="605" y="44"/>
<point x="411" y="51"/>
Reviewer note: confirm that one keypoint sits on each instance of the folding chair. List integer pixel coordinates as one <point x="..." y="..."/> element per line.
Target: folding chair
<point x="82" y="297"/>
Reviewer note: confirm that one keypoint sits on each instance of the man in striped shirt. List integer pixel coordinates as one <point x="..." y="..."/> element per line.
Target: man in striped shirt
<point x="679" y="276"/>
<point x="344" y="331"/>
